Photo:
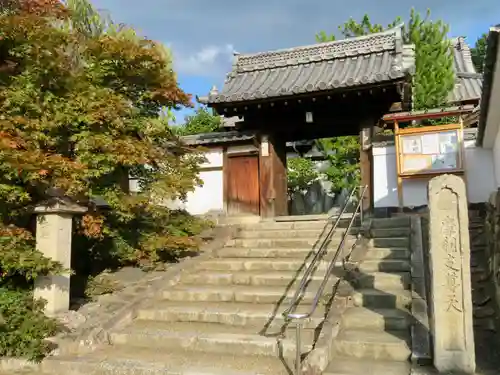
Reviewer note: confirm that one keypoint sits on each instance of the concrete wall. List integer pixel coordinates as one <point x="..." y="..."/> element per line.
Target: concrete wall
<point x="480" y="173"/>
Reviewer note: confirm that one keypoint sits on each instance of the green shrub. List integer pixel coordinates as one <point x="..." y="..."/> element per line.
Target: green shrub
<point x="23" y="325"/>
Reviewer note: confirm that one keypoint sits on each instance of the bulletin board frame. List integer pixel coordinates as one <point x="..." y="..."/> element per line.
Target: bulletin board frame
<point x="428" y="158"/>
<point x="436" y="113"/>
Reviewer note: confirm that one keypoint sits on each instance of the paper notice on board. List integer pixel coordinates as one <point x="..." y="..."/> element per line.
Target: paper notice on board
<point x="444" y="161"/>
<point x="412" y="145"/>
<point x="415" y="164"/>
<point x="430" y="144"/>
<point x="448" y="142"/>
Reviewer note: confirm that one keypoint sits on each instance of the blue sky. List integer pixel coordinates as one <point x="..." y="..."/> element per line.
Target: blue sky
<point x="203" y="34"/>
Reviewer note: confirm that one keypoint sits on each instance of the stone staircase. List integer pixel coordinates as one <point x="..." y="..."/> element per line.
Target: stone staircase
<point x="375" y="335"/>
<point x="225" y="316"/>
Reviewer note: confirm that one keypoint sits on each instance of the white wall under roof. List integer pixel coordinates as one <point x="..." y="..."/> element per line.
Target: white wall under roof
<point x="496" y="156"/>
<point x="208" y="197"/>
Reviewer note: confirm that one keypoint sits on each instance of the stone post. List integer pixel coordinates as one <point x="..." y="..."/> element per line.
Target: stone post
<point x="449" y="261"/>
<point x="53" y="239"/>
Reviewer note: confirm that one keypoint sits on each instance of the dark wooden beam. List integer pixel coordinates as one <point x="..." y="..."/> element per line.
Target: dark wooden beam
<point x="427" y="114"/>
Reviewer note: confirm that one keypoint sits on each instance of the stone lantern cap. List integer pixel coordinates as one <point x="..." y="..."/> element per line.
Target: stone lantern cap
<point x="61" y="205"/>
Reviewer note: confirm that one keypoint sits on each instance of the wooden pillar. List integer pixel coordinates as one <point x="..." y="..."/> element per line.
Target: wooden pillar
<point x="280" y="176"/>
<point x="272" y="176"/>
<point x="366" y="163"/>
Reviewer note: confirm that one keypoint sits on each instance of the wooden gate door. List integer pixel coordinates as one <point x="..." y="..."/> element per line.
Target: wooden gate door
<point x="243" y="184"/>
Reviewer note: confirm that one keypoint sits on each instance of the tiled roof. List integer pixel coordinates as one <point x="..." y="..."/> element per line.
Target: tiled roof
<point x="468" y="83"/>
<point x="219" y="137"/>
<point x="231" y="122"/>
<point x="365" y="60"/>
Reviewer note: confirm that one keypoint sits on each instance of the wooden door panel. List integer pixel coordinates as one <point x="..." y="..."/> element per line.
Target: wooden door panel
<point x="243" y="184"/>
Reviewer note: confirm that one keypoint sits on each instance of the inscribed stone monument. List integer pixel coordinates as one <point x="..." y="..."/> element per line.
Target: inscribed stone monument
<point x="451" y="299"/>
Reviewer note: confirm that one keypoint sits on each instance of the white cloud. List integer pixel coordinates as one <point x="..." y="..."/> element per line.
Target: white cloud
<point x="209" y="61"/>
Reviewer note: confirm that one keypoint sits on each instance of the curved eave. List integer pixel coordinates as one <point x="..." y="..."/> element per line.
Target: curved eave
<point x="202" y="99"/>
<point x="310" y="94"/>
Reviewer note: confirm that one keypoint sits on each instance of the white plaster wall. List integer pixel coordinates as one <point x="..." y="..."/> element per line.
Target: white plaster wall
<point x="209" y="196"/>
<point x="496" y="157"/>
<point x="214" y="158"/>
<point x="204" y="198"/>
<point x="478" y="166"/>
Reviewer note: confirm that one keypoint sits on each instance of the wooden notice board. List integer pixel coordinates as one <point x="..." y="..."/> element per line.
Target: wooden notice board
<point x="428" y="151"/>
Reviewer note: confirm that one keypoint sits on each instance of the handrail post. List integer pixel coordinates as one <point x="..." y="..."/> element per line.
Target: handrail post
<point x="298" y="346"/>
<point x="298" y="318"/>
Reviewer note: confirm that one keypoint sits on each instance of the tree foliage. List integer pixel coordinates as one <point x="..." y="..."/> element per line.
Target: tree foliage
<point x="79" y="105"/>
<point x="80" y="113"/>
<point x="478" y="52"/>
<point x="342" y="154"/>
<point x="301" y="174"/>
<point x="203" y="121"/>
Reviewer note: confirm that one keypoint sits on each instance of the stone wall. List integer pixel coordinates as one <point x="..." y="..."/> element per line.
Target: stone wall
<point x="492" y="242"/>
<point x="484" y="229"/>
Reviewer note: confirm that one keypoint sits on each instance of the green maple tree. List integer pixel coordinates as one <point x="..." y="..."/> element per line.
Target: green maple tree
<point x="80" y="99"/>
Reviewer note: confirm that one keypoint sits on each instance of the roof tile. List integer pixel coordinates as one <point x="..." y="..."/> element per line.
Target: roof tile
<point x="217" y="137"/>
<point x="468" y="83"/>
<point x="365" y="60"/>
<point x="341" y="64"/>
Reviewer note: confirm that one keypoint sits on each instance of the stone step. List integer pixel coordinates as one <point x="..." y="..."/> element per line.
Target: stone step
<point x="376" y="319"/>
<point x="299" y="225"/>
<point x="390" y="242"/>
<point x="393" y="222"/>
<point x="372" y="298"/>
<point x="374" y="345"/>
<point x="124" y="360"/>
<point x="384" y="265"/>
<point x="308" y="243"/>
<point x="263" y="265"/>
<point x="208" y="338"/>
<point x="231" y="313"/>
<point x="269" y="252"/>
<point x="245" y="294"/>
<point x="383" y="281"/>
<point x="388" y="253"/>
<point x="249" y="278"/>
<point x="390" y="232"/>
<point x="294" y="233"/>
<point x="355" y="366"/>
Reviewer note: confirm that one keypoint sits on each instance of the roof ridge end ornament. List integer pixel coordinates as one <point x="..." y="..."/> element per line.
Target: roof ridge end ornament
<point x="236" y="57"/>
<point x="214" y="90"/>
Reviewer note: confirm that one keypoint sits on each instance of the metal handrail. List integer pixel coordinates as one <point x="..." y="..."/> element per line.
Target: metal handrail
<point x="288" y="313"/>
